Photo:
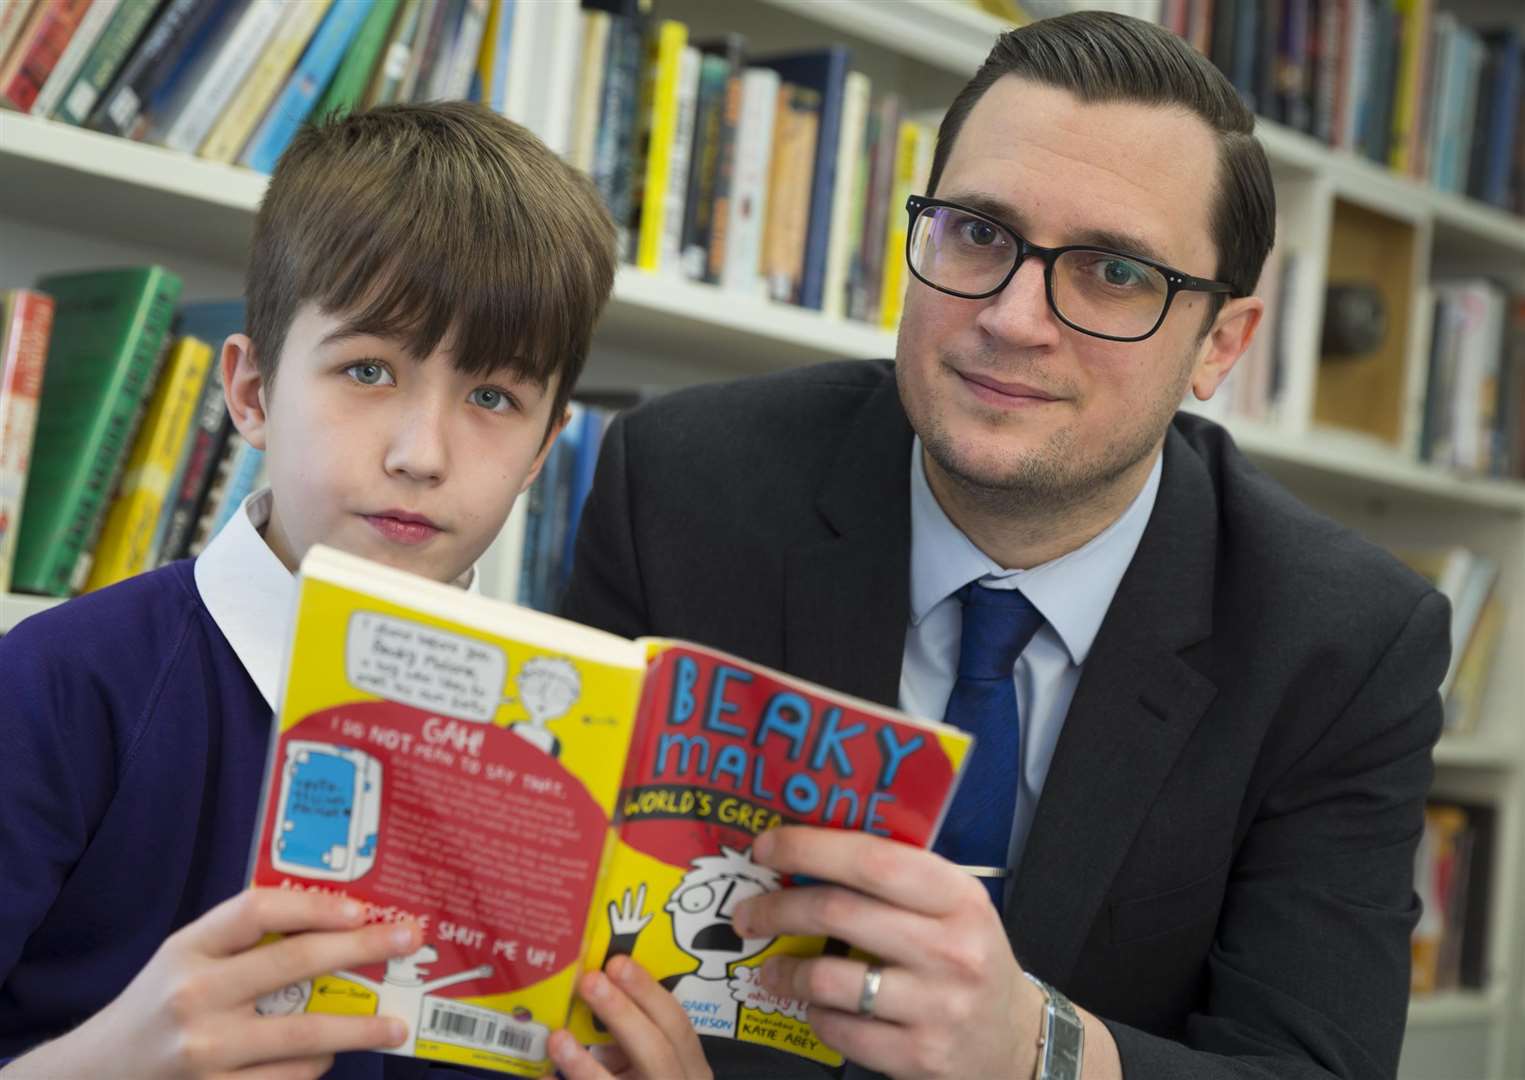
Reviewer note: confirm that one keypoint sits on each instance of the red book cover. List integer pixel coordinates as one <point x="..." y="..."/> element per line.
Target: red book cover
<point x="40" y="46"/>
<point x="24" y="333"/>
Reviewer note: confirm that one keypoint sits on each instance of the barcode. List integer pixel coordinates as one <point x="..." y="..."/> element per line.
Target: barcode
<point x="468" y="1026"/>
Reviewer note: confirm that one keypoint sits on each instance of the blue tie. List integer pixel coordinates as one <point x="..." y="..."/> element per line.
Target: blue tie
<point x="998" y="623"/>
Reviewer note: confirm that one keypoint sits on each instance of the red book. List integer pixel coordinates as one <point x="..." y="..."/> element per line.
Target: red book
<point x="25" y="327"/>
<point x="35" y="53"/>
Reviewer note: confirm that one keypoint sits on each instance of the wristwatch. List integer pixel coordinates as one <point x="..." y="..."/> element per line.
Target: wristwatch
<point x="1062" y="1040"/>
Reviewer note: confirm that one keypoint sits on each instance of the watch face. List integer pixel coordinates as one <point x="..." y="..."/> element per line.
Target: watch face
<point x="1065" y="1039"/>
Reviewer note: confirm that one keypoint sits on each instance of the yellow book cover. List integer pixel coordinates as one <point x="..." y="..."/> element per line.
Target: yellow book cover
<point x="248" y="106"/>
<point x="127" y="536"/>
<point x="892" y="294"/>
<point x="1414" y="33"/>
<point x="541" y="796"/>
<point x="1435" y="882"/>
<point x="659" y="101"/>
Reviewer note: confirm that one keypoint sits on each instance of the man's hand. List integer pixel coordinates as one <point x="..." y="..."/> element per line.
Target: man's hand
<point x="952" y="1000"/>
<point x="190" y="1012"/>
<point x="653" y="1038"/>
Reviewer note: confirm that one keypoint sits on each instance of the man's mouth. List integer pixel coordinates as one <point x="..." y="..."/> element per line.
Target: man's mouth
<point x="1004" y="391"/>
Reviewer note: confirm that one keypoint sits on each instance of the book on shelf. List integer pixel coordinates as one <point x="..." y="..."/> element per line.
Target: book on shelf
<point x="177" y="32"/>
<point x="386" y="82"/>
<point x="1453" y="871"/>
<point x="796" y="130"/>
<point x="25" y="328"/>
<point x="236" y="474"/>
<point x="660" y="88"/>
<point x="36" y="51"/>
<point x="347" y="88"/>
<point x="1469" y="581"/>
<point x="105" y="60"/>
<point x="91" y="26"/>
<point x="125" y="547"/>
<point x="543" y="796"/>
<point x="108" y="330"/>
<point x="742" y="269"/>
<point x="14" y="18"/>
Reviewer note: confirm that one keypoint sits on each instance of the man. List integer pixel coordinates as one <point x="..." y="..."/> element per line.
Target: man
<point x="1204" y="751"/>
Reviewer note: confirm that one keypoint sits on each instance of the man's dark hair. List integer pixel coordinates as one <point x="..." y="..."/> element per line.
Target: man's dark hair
<point x="418" y="221"/>
<point x="1101" y="56"/>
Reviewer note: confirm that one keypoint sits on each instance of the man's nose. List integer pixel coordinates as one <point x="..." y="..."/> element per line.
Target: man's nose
<point x="1020" y="312"/>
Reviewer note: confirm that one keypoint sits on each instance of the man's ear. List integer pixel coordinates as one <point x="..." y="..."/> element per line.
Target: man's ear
<point x="545" y="451"/>
<point x="1225" y="343"/>
<point x="243" y="388"/>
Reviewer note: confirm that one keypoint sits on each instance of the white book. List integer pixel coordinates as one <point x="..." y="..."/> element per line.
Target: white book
<point x="1474" y="56"/>
<point x="560" y="56"/>
<point x="590" y="88"/>
<point x="1353" y="66"/>
<point x="851" y="161"/>
<point x="73" y="57"/>
<point x="524" y="44"/>
<point x="453" y="81"/>
<point x="1445" y="58"/>
<point x="749" y="190"/>
<point x="1480" y="343"/>
<point x="675" y="204"/>
<point x="220" y="73"/>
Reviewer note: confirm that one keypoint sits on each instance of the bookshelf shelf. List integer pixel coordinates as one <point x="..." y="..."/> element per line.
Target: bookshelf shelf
<point x="1477" y="751"/>
<point x="15" y="606"/>
<point x="1457" y="1007"/>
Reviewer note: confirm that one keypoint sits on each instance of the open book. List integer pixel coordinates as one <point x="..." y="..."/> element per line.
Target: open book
<point x="541" y="796"/>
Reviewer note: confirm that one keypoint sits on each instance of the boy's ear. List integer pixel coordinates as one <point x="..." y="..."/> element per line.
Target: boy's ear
<point x="244" y="389"/>
<point x="545" y="451"/>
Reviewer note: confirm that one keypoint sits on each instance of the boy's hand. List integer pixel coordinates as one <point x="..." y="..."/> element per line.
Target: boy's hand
<point x="190" y="1012"/>
<point x="653" y="1038"/>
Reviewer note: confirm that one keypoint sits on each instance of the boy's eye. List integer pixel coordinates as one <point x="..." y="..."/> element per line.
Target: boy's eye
<point x="491" y="398"/>
<point x="368" y="373"/>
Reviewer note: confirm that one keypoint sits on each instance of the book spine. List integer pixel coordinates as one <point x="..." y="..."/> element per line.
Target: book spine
<point x="749" y="200"/>
<point x="893" y="291"/>
<point x="463" y="56"/>
<point x="876" y="222"/>
<point x="119" y="109"/>
<point x="704" y="158"/>
<point x="493" y="60"/>
<point x="614" y="164"/>
<point x="13" y="20"/>
<point x="34" y="57"/>
<point x="207" y="510"/>
<point x="846" y="186"/>
<point x="310" y="78"/>
<point x="595" y="48"/>
<point x="243" y="474"/>
<point x="789" y="216"/>
<point x="127" y="533"/>
<point x="103" y="63"/>
<point x="224" y="74"/>
<point x="725" y="178"/>
<point x="393" y="68"/>
<point x="349" y="82"/>
<point x="232" y="129"/>
<point x="90" y="29"/>
<point x="824" y="180"/>
<point x="192" y="458"/>
<point x="1505" y="120"/>
<point x="660" y="117"/>
<point x="22" y="362"/>
<point x="675" y="200"/>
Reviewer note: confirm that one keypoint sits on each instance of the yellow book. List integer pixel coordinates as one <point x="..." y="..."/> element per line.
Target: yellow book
<point x="1414" y="34"/>
<point x="248" y="106"/>
<point x="540" y="796"/>
<point x="892" y="295"/>
<point x="127" y="536"/>
<point x="659" y="101"/>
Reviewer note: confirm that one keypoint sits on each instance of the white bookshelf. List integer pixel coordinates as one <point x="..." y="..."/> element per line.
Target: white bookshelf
<point x="75" y="198"/>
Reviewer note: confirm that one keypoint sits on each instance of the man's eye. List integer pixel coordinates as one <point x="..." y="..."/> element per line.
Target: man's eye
<point x="491" y="398"/>
<point x="979" y="233"/>
<point x="1120" y="273"/>
<point x="369" y="374"/>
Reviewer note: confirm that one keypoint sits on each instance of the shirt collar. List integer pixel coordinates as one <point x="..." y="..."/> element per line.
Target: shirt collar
<point x="251" y="595"/>
<point x="1073" y="592"/>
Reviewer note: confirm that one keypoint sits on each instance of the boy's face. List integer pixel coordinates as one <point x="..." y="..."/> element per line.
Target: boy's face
<point x="407" y="462"/>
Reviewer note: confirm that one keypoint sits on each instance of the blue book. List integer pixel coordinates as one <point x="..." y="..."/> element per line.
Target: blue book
<point x="242" y="472"/>
<point x="824" y="71"/>
<point x="495" y="94"/>
<point x="589" y="439"/>
<point x="306" y="84"/>
<point x="1500" y="104"/>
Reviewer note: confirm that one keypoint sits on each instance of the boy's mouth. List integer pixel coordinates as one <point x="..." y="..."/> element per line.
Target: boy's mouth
<point x="402" y="527"/>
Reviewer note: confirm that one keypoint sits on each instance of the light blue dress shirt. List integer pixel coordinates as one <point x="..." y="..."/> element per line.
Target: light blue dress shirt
<point x="1072" y="592"/>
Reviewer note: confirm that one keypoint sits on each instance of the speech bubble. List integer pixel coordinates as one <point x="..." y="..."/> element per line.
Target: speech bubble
<point x="407" y="662"/>
<point x="748" y="991"/>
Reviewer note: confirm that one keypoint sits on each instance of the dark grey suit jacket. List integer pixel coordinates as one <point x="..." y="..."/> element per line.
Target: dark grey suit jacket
<point x="1220" y="866"/>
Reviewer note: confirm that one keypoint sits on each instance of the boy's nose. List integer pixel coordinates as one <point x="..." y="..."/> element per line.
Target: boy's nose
<point x="419" y="447"/>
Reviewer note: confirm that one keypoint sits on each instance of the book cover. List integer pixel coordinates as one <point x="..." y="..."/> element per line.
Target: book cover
<point x="354" y="75"/>
<point x="749" y="194"/>
<point x="823" y="71"/>
<point x="108" y="327"/>
<point x="310" y="79"/>
<point x="590" y="86"/>
<point x="125" y="545"/>
<point x="540" y="795"/>
<point x="37" y="51"/>
<point x="105" y="60"/>
<point x="659" y="122"/>
<point x="170" y="44"/>
<point x="184" y="122"/>
<point x="25" y="327"/>
<point x="386" y="82"/>
<point x="232" y="129"/>
<point x="84" y="38"/>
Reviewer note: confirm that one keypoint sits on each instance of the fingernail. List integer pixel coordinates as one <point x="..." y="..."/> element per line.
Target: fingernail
<point x="762" y="847"/>
<point x="618" y="968"/>
<point x="740" y="920"/>
<point x="597" y="988"/>
<point x="351" y="910"/>
<point x="402" y="937"/>
<point x="563" y="1048"/>
<point x="768" y="973"/>
<point x="397" y="1031"/>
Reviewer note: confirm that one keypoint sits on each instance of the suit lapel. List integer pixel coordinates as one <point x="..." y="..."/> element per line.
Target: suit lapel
<point x="1135" y="707"/>
<point x="847" y="595"/>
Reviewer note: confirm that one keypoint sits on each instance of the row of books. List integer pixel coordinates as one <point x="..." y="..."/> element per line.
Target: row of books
<point x="1453" y="868"/>
<point x="1469" y="580"/>
<point x="117" y="453"/>
<point x="1474" y="418"/>
<point x="1396" y="81"/>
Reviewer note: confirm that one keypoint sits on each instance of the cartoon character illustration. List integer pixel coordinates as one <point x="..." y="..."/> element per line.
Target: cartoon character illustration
<point x="330" y="812"/>
<point x="701" y="908"/>
<point x="287" y="1001"/>
<point x="403" y="991"/>
<point x="548" y="687"/>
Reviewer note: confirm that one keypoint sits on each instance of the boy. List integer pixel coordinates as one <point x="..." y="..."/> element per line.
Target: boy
<point x="421" y="293"/>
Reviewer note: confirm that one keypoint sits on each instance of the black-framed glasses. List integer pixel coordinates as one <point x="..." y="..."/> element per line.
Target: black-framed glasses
<point x="1106" y="294"/>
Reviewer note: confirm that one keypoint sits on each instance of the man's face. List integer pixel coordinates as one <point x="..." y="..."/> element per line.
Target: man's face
<point x="407" y="462"/>
<point x="1009" y="401"/>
